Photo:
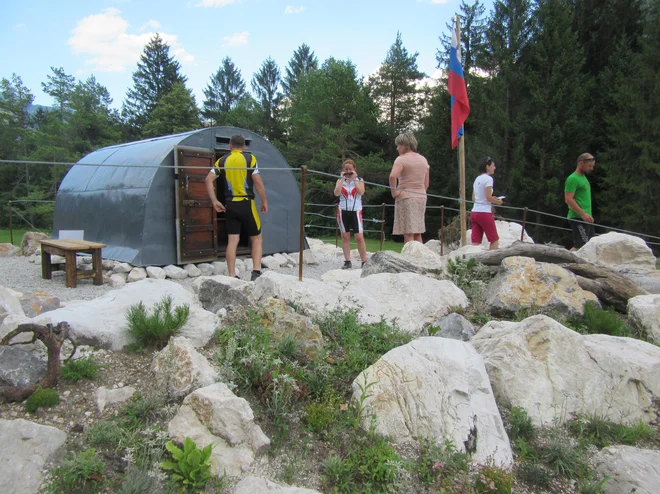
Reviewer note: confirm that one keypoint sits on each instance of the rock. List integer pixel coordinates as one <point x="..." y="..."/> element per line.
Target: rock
<point x="27" y="447"/>
<point x="327" y="249"/>
<point x="18" y="367"/>
<point x="11" y="322"/>
<point x="342" y="276"/>
<point x="508" y="231"/>
<point x="108" y="264"/>
<point x="649" y="281"/>
<point x="387" y="261"/>
<point x="240" y="264"/>
<point x="525" y="283"/>
<point x="220" y="268"/>
<point x="105" y="396"/>
<point x="619" y="251"/>
<point x="291" y="259"/>
<point x="644" y="310"/>
<point x="215" y="294"/>
<point x="214" y="415"/>
<point x="30" y="244"/>
<point x="156" y="273"/>
<point x="175" y="272"/>
<point x="282" y="322"/>
<point x="117" y="280"/>
<point x="205" y="269"/>
<point x="39" y="302"/>
<point x="454" y="326"/>
<point x="136" y="274"/>
<point x="192" y="270"/>
<point x="8" y="250"/>
<point x="556" y="374"/>
<point x="9" y="303"/>
<point x="101" y="322"/>
<point x="630" y="469"/>
<point x="434" y="388"/>
<point x="418" y="253"/>
<point x="257" y="485"/>
<point x="309" y="259"/>
<point x="122" y="267"/>
<point x="466" y="252"/>
<point x="410" y="300"/>
<point x="182" y="368"/>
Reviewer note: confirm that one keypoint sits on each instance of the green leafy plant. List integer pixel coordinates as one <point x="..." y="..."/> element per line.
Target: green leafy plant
<point x="191" y="466"/>
<point x="78" y="473"/>
<point x="520" y="425"/>
<point x="360" y="406"/>
<point x="491" y="478"/>
<point x="156" y="328"/>
<point x="441" y="465"/>
<point x="41" y="398"/>
<point x="75" y="370"/>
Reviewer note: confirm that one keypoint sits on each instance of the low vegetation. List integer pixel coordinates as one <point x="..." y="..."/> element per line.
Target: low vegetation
<point x="153" y="329"/>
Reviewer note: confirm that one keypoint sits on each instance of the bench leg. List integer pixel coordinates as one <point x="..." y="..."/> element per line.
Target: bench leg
<point x="97" y="265"/>
<point x="71" y="269"/>
<point x="46" y="266"/>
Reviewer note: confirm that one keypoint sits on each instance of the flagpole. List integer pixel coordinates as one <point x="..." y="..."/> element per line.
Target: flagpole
<point x="461" y="162"/>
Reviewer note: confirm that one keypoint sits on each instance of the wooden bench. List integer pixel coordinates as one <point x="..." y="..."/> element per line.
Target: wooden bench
<point x="68" y="248"/>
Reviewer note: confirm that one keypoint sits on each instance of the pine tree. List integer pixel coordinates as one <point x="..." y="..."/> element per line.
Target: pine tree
<point x="473" y="28"/>
<point x="394" y="88"/>
<point x="175" y="112"/>
<point x="60" y="86"/>
<point x="265" y="84"/>
<point x="156" y="74"/>
<point x="15" y="100"/>
<point x="302" y="63"/>
<point x="223" y="92"/>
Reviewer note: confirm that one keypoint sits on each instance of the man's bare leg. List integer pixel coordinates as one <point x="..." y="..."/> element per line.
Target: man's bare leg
<point x="230" y="253"/>
<point x="257" y="251"/>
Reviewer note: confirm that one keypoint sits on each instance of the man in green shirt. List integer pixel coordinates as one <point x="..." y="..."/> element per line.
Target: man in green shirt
<point x="577" y="194"/>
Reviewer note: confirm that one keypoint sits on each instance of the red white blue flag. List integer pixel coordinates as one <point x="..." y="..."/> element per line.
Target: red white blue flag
<point x="460" y="106"/>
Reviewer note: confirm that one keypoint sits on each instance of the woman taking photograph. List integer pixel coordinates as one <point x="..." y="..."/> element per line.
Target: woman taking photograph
<point x="350" y="189"/>
<point x="481" y="216"/>
<point x="410" y="175"/>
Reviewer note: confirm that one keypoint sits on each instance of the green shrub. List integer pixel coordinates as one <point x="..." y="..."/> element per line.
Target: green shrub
<point x="520" y="425"/>
<point x="337" y="473"/>
<point x="599" y="321"/>
<point x="42" y="398"/>
<point x="534" y="474"/>
<point x="155" y="329"/>
<point x="78" y="473"/>
<point x="491" y="478"/>
<point x="320" y="415"/>
<point x="75" y="370"/>
<point x="440" y="464"/>
<point x="191" y="466"/>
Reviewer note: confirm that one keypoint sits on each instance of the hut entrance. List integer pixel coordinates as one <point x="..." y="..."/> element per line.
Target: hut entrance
<point x="201" y="231"/>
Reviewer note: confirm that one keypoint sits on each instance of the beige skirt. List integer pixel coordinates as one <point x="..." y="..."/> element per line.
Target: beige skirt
<point x="409" y="216"/>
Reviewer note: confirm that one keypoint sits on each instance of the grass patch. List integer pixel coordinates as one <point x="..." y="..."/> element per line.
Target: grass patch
<point x="373" y="244"/>
<point x="5" y="235"/>
<point x="81" y="472"/>
<point x="155" y="328"/>
<point x="75" y="370"/>
<point x="599" y="321"/>
<point x="601" y="432"/>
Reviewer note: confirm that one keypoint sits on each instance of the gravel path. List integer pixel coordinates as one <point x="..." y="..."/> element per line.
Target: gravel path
<point x="19" y="274"/>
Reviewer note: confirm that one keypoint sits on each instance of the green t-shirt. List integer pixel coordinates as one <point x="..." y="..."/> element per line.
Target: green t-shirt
<point x="579" y="186"/>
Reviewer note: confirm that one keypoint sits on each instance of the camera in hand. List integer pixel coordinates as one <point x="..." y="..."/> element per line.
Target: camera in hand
<point x="348" y="174"/>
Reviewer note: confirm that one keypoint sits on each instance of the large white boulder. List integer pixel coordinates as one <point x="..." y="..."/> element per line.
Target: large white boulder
<point x="619" y="251"/>
<point x="418" y="253"/>
<point x="438" y="389"/>
<point x="556" y="374"/>
<point x="525" y="283"/>
<point x="644" y="310"/>
<point x="629" y="469"/>
<point x="102" y="321"/>
<point x="26" y="447"/>
<point x="10" y="303"/>
<point x="214" y="415"/>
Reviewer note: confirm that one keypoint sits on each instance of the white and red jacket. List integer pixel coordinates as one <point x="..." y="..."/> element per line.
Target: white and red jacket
<point x="350" y="199"/>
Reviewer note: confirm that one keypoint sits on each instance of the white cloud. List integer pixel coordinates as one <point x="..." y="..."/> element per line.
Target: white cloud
<point x="150" y="24"/>
<point x="104" y="40"/>
<point x="236" y="39"/>
<point x="18" y="27"/>
<point x="214" y="3"/>
<point x="293" y="10"/>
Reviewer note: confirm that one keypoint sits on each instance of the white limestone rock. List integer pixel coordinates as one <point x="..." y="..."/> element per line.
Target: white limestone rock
<point x="122" y="267"/>
<point x="136" y="274"/>
<point x="192" y="270"/>
<point x="105" y="396"/>
<point x="117" y="280"/>
<point x="156" y="273"/>
<point x="619" y="251"/>
<point x="205" y="269"/>
<point x="418" y="253"/>
<point x="257" y="485"/>
<point x="644" y="310"/>
<point x="175" y="272"/>
<point x="629" y="469"/>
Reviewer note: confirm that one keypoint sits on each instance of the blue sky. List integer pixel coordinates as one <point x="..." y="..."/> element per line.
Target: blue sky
<point x="106" y="37"/>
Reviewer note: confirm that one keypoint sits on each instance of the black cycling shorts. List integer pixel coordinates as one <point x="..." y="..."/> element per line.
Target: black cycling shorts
<point x="242" y="214"/>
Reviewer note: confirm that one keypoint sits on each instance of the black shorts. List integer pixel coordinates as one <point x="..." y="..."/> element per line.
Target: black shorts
<point x="350" y="221"/>
<point x="242" y="215"/>
<point x="582" y="232"/>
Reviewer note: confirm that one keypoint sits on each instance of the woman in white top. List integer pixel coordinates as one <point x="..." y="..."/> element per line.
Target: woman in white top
<point x="481" y="216"/>
<point x="350" y="189"/>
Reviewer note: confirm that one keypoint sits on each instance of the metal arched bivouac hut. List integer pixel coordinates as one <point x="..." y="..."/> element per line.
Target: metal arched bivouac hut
<point x="150" y="211"/>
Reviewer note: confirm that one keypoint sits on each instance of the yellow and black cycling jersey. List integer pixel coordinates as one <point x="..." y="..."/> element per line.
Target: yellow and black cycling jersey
<point x="239" y="166"/>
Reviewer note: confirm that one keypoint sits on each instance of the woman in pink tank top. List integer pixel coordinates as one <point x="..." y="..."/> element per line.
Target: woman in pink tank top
<point x="409" y="180"/>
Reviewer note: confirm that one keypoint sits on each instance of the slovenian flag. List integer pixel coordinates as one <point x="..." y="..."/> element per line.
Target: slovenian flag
<point x="460" y="106"/>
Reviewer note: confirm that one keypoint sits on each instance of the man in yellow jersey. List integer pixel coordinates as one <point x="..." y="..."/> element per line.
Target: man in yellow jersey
<point x="241" y="179"/>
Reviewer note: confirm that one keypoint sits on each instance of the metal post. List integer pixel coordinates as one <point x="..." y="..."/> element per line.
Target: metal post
<point x="303" y="187"/>
<point x="442" y="229"/>
<point x="11" y="229"/>
<point x="522" y="233"/>
<point x="382" y="225"/>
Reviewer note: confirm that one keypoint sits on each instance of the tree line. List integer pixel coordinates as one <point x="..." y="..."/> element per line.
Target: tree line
<point x="547" y="80"/>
